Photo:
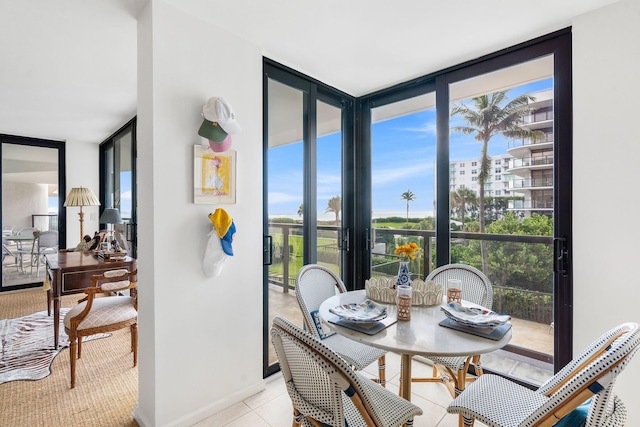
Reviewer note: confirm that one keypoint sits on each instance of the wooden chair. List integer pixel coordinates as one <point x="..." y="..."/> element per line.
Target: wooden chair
<point x="476" y="288"/>
<point x="325" y="391"/>
<point x="314" y="284"/>
<point x="95" y="314"/>
<point x="498" y="402"/>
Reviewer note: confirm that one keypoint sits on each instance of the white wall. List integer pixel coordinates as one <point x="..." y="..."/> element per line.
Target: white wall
<point x="606" y="239"/>
<point x="19" y="201"/>
<point x="82" y="165"/>
<point x="200" y="337"/>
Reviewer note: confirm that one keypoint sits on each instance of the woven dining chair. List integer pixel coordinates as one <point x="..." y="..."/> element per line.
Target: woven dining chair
<point x="104" y="309"/>
<point x="44" y="243"/>
<point x="498" y="402"/>
<point x="314" y="284"/>
<point x="325" y="391"/>
<point x="476" y="288"/>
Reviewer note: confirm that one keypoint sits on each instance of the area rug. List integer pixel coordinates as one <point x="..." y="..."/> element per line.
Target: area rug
<point x="26" y="346"/>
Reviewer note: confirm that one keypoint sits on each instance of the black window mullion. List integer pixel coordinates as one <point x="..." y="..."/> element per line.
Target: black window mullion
<point x="310" y="174"/>
<point x="443" y="228"/>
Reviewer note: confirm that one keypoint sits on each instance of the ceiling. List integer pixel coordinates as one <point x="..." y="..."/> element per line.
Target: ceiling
<point x="69" y="67"/>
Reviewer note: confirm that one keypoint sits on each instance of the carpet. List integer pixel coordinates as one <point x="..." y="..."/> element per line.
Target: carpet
<point x="26" y="346"/>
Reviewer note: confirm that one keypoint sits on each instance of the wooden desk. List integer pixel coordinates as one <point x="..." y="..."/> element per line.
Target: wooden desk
<point x="70" y="273"/>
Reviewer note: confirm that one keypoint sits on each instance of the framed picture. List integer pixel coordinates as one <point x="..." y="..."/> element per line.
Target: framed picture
<point x="214" y="176"/>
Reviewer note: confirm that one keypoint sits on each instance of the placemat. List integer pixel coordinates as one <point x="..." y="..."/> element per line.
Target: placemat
<point x="366" y="328"/>
<point x="491" y="333"/>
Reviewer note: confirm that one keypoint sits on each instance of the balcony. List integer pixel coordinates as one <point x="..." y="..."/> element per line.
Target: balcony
<point x="529" y="304"/>
<point x="531" y="183"/>
<point x="528" y="162"/>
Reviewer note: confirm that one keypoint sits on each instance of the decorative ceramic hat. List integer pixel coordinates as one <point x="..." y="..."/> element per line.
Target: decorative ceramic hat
<point x="212" y="131"/>
<point x="224" y="228"/>
<point x="217" y="110"/>
<point x="218" y="147"/>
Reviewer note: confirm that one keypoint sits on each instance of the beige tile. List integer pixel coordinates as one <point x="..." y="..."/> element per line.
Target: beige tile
<point x="278" y="412"/>
<point x="274" y="387"/>
<point x="251" y="419"/>
<point x="225" y="417"/>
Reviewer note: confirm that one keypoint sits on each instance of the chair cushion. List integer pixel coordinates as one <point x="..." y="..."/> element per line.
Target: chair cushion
<point x="104" y="311"/>
<point x="322" y="329"/>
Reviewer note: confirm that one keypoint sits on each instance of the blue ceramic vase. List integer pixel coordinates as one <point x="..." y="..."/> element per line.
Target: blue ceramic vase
<point x="404" y="278"/>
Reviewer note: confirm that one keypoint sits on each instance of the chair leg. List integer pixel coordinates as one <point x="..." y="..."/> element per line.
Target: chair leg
<point x="382" y="369"/>
<point x="134" y="343"/>
<point x="297" y="418"/>
<point x="72" y="357"/>
<point x="79" y="347"/>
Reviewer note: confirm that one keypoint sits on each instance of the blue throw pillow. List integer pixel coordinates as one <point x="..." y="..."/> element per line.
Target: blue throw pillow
<point x="575" y="418"/>
<point x="323" y="330"/>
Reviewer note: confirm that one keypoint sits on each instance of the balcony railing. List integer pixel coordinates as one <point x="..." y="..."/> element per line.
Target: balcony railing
<point x="532" y="161"/>
<point x="540" y="116"/>
<point x="532" y="183"/>
<point x="530" y="204"/>
<point x="510" y="295"/>
<point x="524" y="142"/>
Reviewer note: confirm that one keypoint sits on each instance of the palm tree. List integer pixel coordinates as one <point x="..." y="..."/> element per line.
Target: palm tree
<point x="301" y="210"/>
<point x="460" y="199"/>
<point x="409" y="197"/>
<point x="334" y="205"/>
<point x="486" y="119"/>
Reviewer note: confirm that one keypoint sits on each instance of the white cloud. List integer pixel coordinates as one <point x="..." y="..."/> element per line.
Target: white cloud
<point x="427" y="128"/>
<point x="394" y="174"/>
<point x="283" y="198"/>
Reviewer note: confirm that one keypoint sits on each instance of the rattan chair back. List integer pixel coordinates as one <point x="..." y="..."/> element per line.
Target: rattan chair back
<point x="475" y="286"/>
<point x="324" y="389"/>
<point x="497" y="402"/>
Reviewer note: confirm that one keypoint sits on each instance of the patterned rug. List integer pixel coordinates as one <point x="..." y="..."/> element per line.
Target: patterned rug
<point x="26" y="346"/>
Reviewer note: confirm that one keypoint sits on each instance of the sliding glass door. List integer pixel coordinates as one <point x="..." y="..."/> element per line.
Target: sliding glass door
<point x="32" y="182"/>
<point x="473" y="167"/>
<point x="303" y="178"/>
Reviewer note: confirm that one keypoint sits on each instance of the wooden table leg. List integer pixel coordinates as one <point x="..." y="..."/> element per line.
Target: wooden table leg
<point x="56" y="320"/>
<point x="405" y="376"/>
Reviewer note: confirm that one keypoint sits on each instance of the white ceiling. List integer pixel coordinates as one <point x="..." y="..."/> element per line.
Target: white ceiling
<point x="69" y="66"/>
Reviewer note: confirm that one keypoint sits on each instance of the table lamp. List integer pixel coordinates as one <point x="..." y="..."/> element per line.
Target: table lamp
<point x="81" y="196"/>
<point x="110" y="216"/>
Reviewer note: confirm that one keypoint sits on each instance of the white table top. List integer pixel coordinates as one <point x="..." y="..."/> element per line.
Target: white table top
<point x="17" y="237"/>
<point x="419" y="336"/>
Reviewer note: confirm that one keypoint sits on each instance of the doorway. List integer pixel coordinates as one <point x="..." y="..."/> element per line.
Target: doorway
<point x="32" y="180"/>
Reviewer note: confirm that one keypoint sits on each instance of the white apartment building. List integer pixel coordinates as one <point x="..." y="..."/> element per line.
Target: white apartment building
<point x="526" y="169"/>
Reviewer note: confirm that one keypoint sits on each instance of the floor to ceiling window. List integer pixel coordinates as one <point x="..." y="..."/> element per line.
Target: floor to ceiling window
<point x="473" y="168"/>
<point x="117" y="183"/>
<point x="431" y="165"/>
<point x="304" y="202"/>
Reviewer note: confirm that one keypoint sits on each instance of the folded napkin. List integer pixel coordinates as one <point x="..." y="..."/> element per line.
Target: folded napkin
<point x="474" y="316"/>
<point x="366" y="311"/>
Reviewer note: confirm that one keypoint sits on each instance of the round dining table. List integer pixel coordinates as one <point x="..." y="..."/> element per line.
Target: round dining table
<point x="421" y="335"/>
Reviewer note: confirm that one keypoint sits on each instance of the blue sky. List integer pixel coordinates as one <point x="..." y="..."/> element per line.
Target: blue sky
<point x="403" y="158"/>
<point x="125" y="198"/>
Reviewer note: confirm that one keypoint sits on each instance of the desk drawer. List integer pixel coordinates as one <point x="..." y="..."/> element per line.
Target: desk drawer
<point x="75" y="281"/>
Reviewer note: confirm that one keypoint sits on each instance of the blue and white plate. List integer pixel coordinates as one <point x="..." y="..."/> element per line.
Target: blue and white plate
<point x="477" y="317"/>
<point x="367" y="311"/>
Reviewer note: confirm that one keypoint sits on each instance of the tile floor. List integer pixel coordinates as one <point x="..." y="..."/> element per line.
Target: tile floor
<point x="272" y="407"/>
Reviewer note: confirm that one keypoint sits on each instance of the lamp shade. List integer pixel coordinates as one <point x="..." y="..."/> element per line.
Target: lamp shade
<point x="81" y="196"/>
<point x="110" y="216"/>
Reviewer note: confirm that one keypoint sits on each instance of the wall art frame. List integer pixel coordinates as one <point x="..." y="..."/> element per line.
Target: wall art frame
<point x="214" y="176"/>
